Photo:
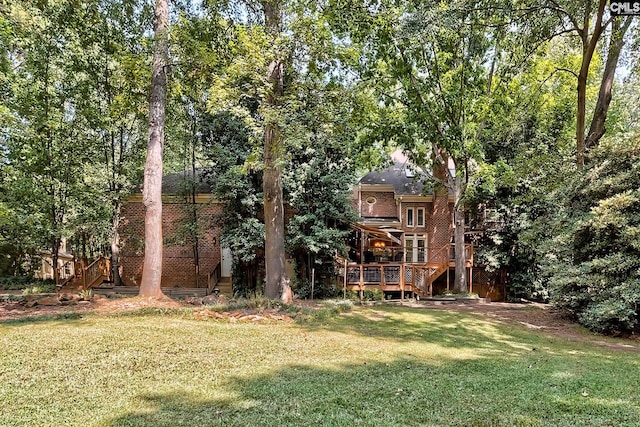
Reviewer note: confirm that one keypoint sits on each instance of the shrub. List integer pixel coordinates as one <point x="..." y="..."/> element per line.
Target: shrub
<point x="374" y="294"/>
<point x="18" y="283"/>
<point x="593" y="262"/>
<point x="39" y="288"/>
<point x="321" y="290"/>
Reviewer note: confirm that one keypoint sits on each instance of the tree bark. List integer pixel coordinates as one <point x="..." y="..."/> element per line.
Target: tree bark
<point x="277" y="282"/>
<point x="55" y="250"/>
<point x="456" y="185"/>
<point x="616" y="42"/>
<point x="115" y="244"/>
<point x="588" y="49"/>
<point x="460" y="280"/>
<point x="150" y="285"/>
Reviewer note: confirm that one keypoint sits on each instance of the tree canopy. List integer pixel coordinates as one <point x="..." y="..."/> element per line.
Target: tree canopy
<point x="525" y="113"/>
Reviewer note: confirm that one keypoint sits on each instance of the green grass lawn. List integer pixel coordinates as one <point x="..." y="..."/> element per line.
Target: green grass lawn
<point x="373" y="366"/>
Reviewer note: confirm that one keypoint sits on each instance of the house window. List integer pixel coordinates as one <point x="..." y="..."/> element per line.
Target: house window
<point x="371" y="200"/>
<point x="421" y="253"/>
<point x="408" y="249"/>
<point x="415" y="246"/>
<point x="409" y="217"/>
<point x="420" y="217"/>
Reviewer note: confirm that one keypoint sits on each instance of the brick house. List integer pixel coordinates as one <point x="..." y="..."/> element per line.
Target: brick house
<point x="403" y="243"/>
<point x="193" y="258"/>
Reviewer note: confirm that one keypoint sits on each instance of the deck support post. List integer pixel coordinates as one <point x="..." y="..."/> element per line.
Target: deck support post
<point x="448" y="278"/>
<point x="402" y="282"/>
<point x="361" y="282"/>
<point x="344" y="286"/>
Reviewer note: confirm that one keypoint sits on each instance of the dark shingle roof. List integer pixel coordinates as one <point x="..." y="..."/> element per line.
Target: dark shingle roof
<point x="396" y="175"/>
<point x="180" y="182"/>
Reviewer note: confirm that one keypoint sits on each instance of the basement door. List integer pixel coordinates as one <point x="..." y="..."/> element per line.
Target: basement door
<point x="226" y="262"/>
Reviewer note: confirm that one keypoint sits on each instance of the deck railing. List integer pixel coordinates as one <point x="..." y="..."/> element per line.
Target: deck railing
<point x="403" y="275"/>
<point x="406" y="277"/>
<point x="468" y="252"/>
<point x="374" y="274"/>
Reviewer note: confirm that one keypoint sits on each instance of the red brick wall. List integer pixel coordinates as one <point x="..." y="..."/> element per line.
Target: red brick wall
<point x="178" y="261"/>
<point x="440" y="223"/>
<point x="427" y="206"/>
<point x="384" y="207"/>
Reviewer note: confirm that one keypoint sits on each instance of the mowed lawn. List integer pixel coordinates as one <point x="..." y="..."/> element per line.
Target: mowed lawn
<point x="372" y="366"/>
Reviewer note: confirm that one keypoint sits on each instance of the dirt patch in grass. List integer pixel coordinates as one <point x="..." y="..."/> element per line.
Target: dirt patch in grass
<point x="15" y="310"/>
<point x="539" y="317"/>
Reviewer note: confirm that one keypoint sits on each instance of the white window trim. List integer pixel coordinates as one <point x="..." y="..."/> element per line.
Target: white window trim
<point x="413" y="218"/>
<point x="415" y="248"/>
<point x="418" y="216"/>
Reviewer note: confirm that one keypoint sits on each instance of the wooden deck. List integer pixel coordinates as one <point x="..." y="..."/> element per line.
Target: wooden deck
<point x="406" y="278"/>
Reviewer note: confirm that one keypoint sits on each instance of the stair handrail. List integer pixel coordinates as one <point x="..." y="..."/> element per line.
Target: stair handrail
<point x="428" y="272"/>
<point x="61" y="278"/>
<point x="94" y="271"/>
<point x="441" y="256"/>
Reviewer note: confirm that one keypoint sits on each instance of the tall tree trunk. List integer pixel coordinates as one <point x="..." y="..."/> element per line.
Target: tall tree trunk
<point x="115" y="244"/>
<point x="150" y="285"/>
<point x="460" y="280"/>
<point x="194" y="208"/>
<point x="456" y="185"/>
<point x="588" y="49"/>
<point x="616" y="42"/>
<point x="55" y="250"/>
<point x="277" y="282"/>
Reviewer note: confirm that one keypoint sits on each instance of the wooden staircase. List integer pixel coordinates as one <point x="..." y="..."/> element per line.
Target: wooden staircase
<point x="219" y="284"/>
<point x="86" y="276"/>
<point x="437" y="265"/>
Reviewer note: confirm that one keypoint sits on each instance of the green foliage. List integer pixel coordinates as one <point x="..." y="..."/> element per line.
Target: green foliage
<point x="46" y="286"/>
<point x="226" y="142"/>
<point x="323" y="289"/>
<point x="73" y="142"/>
<point x="17" y="283"/>
<point x="593" y="262"/>
<point x="373" y="294"/>
<point x="528" y="155"/>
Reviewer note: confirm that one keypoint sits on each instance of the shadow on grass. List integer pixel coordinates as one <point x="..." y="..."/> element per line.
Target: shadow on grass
<point x="405" y="392"/>
<point x="406" y="324"/>
<point x="43" y="318"/>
